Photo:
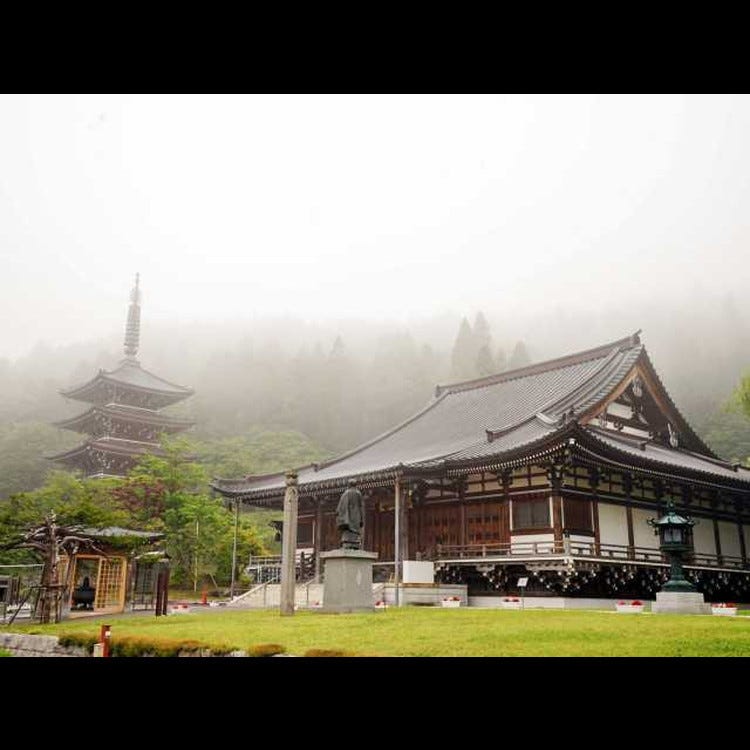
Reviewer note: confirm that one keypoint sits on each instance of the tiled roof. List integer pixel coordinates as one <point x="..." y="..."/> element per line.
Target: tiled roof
<point x="110" y="445"/>
<point x="119" y="531"/>
<point x="647" y="451"/>
<point x="474" y="420"/>
<point x="132" y="375"/>
<point x="127" y="414"/>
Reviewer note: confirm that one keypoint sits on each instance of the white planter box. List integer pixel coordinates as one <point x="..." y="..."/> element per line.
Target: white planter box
<point x="511" y="605"/>
<point x="724" y="611"/>
<point x="449" y="603"/>
<point x="629" y="608"/>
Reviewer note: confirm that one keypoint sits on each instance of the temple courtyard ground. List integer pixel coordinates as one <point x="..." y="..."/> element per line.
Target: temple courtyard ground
<point x="423" y="631"/>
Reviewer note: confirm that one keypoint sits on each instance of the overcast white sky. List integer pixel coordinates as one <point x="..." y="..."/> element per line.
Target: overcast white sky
<point x="362" y="206"/>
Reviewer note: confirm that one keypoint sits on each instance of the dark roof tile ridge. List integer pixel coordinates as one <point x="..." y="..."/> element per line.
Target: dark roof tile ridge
<point x="430" y="405"/>
<point x="626" y="438"/>
<point x="567" y="360"/>
<point x="111" y="373"/>
<point x="593" y="381"/>
<point x="669" y="468"/>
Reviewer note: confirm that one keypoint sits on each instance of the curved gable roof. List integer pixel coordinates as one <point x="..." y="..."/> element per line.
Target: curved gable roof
<point x="475" y="419"/>
<point x="132" y="375"/>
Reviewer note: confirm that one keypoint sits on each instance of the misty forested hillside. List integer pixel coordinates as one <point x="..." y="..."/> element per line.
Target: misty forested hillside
<point x="276" y="393"/>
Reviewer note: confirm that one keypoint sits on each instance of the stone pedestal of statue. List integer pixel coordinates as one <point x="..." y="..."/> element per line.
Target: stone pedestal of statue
<point x="680" y="602"/>
<point x="347" y="585"/>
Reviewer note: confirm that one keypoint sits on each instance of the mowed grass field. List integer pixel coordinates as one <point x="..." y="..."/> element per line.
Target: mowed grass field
<point x="420" y="631"/>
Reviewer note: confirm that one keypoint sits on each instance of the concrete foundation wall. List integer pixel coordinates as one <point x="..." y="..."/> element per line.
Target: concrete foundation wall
<point x="550" y="602"/>
<point x="20" y="644"/>
<point x="424" y="594"/>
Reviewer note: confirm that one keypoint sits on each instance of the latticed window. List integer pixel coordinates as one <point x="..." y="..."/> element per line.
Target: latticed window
<point x="577" y="513"/>
<point x="531" y="514"/>
<point x="110" y="583"/>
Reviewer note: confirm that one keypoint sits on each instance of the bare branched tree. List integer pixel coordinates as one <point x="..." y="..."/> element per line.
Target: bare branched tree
<point x="50" y="540"/>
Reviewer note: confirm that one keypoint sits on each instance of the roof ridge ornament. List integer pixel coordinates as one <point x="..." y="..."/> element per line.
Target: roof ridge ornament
<point x="133" y="325"/>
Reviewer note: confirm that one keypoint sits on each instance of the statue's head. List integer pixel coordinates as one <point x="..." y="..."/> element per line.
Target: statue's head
<point x="352" y="483"/>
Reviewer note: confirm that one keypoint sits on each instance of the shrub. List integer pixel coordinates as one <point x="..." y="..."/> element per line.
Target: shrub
<point x="78" y="640"/>
<point x="130" y="646"/>
<point x="326" y="652"/>
<point x="266" y="649"/>
<point x="3" y="652"/>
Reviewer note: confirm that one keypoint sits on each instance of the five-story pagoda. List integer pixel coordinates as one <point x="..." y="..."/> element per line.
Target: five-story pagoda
<point x="124" y="421"/>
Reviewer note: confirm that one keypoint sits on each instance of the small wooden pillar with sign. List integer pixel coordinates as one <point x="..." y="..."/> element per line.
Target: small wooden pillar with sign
<point x="289" y="544"/>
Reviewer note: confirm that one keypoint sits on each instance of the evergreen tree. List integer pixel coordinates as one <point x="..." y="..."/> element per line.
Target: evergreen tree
<point x="463" y="356"/>
<point x="519" y="357"/>
<point x="501" y="361"/>
<point x="481" y="331"/>
<point x="485" y="364"/>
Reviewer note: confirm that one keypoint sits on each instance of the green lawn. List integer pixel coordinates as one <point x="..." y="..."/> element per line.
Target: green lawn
<point x="420" y="631"/>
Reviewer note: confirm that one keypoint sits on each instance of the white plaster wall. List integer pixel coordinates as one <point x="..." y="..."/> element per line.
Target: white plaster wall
<point x="643" y="534"/>
<point x="521" y="542"/>
<point x="418" y="571"/>
<point x="730" y="539"/>
<point x="703" y="536"/>
<point x="613" y="524"/>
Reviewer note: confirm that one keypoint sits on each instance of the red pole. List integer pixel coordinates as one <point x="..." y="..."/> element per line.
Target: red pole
<point x="104" y="636"/>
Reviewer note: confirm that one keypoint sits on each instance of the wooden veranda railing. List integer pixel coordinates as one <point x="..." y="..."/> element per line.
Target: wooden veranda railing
<point x="568" y="548"/>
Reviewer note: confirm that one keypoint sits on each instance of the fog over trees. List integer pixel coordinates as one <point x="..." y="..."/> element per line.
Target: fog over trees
<point x="279" y="392"/>
<point x="314" y="265"/>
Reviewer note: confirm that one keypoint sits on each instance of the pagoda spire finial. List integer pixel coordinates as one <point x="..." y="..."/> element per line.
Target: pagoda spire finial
<point x="133" y="326"/>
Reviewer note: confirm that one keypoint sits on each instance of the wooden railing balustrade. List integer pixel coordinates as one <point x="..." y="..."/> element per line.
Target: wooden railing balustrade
<point x="579" y="549"/>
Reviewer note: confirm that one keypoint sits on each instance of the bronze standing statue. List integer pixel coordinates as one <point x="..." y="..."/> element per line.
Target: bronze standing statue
<point x="350" y="517"/>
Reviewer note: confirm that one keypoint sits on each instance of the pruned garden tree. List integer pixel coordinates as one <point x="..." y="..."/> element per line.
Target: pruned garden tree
<point x="49" y="541"/>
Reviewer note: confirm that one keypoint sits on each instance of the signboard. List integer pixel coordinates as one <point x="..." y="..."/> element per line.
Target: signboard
<point x="522" y="582"/>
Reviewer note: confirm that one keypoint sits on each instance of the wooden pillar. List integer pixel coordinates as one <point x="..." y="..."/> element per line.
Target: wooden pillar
<point x="123" y="584"/>
<point x="504" y="516"/>
<point x="631" y="535"/>
<point x="461" y="512"/>
<point x="289" y="545"/>
<point x="717" y="541"/>
<point x="554" y="476"/>
<point x="557" y="526"/>
<point x="376" y="528"/>
<point x="404" y="525"/>
<point x="318" y="537"/>
<point x="597" y="534"/>
<point x="416" y="523"/>
<point x="397" y="539"/>
<point x="743" y="550"/>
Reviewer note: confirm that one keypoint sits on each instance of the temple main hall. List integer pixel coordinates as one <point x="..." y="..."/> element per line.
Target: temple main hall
<point x="549" y="472"/>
